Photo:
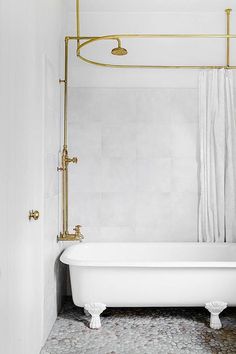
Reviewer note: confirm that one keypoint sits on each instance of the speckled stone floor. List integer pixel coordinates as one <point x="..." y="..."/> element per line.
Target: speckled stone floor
<point x="142" y="331"/>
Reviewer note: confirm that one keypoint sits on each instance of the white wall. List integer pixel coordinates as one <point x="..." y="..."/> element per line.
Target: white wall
<point x="31" y="47"/>
<point x="53" y="61"/>
<point x="151" y="5"/>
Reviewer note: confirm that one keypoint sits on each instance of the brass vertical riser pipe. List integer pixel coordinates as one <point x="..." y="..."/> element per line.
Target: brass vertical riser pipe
<point x="65" y="152"/>
<point x="65" y="192"/>
<point x="65" y="93"/>
<point x="78" y="24"/>
<point x="228" y="13"/>
<point x="65" y="235"/>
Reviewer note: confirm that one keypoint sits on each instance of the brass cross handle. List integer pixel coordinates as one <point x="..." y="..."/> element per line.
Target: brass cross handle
<point x="78" y="235"/>
<point x="73" y="159"/>
<point x="33" y="214"/>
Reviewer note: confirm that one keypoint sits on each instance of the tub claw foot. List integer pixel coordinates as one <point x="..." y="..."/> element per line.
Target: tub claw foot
<point x="95" y="309"/>
<point x="215" y="308"/>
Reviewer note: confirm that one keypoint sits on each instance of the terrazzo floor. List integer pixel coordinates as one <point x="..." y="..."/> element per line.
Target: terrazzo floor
<point x="142" y="331"/>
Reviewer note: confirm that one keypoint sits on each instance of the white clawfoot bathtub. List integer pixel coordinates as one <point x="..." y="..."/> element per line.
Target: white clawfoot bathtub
<point x="152" y="274"/>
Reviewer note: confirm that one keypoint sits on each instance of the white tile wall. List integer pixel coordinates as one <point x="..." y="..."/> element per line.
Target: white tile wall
<point x="88" y="209"/>
<point x="183" y="106"/>
<point x="86" y="175"/>
<point x="183" y="139"/>
<point x="118" y="209"/>
<point x="85" y="106"/>
<point x="118" y="106"/>
<point x="184" y="216"/>
<point x="153" y="174"/>
<point x="119" y="140"/>
<point x="118" y="233"/>
<point x="153" y="139"/>
<point x="184" y="172"/>
<point x="118" y="175"/>
<point x="137" y="175"/>
<point x="89" y="137"/>
<point x="154" y="105"/>
<point x="153" y="209"/>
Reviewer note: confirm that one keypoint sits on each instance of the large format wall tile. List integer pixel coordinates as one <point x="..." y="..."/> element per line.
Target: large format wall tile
<point x="85" y="139"/>
<point x="184" y="175"/>
<point x="88" y="209"/>
<point x="183" y="139"/>
<point x="184" y="106"/>
<point x="119" y="140"/>
<point x="86" y="104"/>
<point x="137" y="178"/>
<point x="118" y="175"/>
<point x="153" y="105"/>
<point x="153" y="209"/>
<point x="117" y="234"/>
<point x="157" y="233"/>
<point x="153" y="139"/>
<point x="184" y="221"/>
<point x="119" y="106"/>
<point x="154" y="175"/>
<point x="117" y="209"/>
<point x="86" y="176"/>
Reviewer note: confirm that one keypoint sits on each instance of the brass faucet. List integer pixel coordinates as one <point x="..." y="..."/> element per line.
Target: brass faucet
<point x="77" y="236"/>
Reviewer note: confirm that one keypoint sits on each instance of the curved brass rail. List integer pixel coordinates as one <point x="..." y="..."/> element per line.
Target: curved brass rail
<point x="117" y="37"/>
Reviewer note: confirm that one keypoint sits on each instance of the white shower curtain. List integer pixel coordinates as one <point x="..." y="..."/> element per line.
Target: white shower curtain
<point x="217" y="204"/>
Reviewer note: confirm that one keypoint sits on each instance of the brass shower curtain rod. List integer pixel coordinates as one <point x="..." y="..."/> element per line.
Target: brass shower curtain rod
<point x="117" y="37"/>
<point x="83" y="41"/>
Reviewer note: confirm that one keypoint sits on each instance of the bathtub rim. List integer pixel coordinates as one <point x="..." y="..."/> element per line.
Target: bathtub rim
<point x="66" y="259"/>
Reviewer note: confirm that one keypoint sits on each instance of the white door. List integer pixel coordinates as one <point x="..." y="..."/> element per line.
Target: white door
<point x="21" y="278"/>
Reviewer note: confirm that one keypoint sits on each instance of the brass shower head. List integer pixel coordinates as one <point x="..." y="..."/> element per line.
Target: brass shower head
<point x="119" y="51"/>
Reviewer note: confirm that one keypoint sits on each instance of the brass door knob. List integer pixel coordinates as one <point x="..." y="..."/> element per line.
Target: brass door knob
<point x="33" y="214"/>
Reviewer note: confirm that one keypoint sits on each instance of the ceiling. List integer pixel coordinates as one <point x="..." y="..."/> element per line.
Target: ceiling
<point x="151" y="5"/>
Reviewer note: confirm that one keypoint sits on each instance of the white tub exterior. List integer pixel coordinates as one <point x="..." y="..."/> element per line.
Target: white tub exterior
<point x="152" y="274"/>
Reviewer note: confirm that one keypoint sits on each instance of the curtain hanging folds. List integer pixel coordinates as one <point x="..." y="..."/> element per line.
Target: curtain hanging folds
<point x="217" y="172"/>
